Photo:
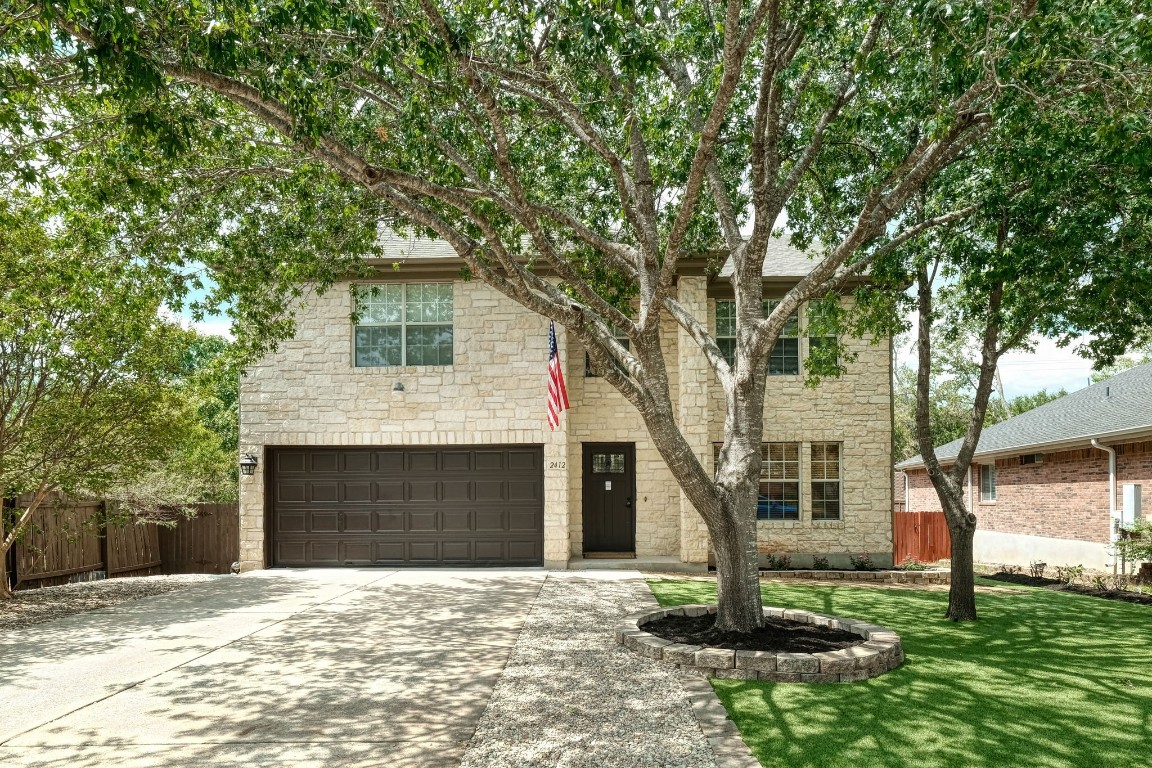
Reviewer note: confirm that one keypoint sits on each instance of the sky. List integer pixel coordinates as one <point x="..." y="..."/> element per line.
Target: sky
<point x="1024" y="373"/>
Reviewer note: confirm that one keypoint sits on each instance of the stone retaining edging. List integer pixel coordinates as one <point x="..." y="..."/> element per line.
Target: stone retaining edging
<point x="885" y="576"/>
<point x="882" y="650"/>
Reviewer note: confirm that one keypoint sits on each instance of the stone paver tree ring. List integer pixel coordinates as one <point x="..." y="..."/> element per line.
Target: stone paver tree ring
<point x="880" y="651"/>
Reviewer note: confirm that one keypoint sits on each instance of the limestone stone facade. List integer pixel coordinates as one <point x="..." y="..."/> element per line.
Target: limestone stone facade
<point x="310" y="393"/>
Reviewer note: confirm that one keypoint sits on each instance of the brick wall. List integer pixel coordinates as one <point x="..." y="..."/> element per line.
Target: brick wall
<point x="1065" y="497"/>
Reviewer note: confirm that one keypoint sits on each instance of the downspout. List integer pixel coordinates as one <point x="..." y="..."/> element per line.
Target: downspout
<point x="1113" y="534"/>
<point x="969" y="475"/>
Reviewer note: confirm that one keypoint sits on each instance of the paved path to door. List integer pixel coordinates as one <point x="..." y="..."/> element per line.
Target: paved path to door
<point x="323" y="668"/>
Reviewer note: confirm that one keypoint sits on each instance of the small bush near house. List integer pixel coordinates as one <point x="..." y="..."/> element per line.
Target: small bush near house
<point x="777" y="562"/>
<point x="820" y="564"/>
<point x="1037" y="568"/>
<point x="912" y="564"/>
<point x="1136" y="541"/>
<point x="862" y="563"/>
<point x="1069" y="574"/>
<point x="1011" y="570"/>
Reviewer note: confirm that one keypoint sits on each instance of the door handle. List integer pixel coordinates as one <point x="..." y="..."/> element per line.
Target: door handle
<point x="628" y="502"/>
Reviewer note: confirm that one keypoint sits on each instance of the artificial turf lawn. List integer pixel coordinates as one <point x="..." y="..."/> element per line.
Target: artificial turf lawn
<point x="1043" y="679"/>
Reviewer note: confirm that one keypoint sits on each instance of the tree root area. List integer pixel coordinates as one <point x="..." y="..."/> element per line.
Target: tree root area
<point x="779" y="635"/>
<point x="1126" y="596"/>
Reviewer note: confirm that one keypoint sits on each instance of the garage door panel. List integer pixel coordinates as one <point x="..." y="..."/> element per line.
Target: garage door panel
<point x="524" y="490"/>
<point x="291" y="461"/>
<point x="358" y="461"/>
<point x="390" y="521"/>
<point x="457" y="520"/>
<point x="324" y="522"/>
<point x="423" y="490"/>
<point x="423" y="521"/>
<point x="389" y="551"/>
<point x="490" y="550"/>
<point x="324" y="461"/>
<point x="523" y="521"/>
<point x="456" y="490"/>
<point x="491" y="490"/>
<point x="356" y="552"/>
<point x="328" y="491"/>
<point x="358" y="491"/>
<point x="358" y="522"/>
<point x="390" y="461"/>
<point x="292" y="522"/>
<point x="456" y="461"/>
<point x="324" y="552"/>
<point x="490" y="520"/>
<point x="390" y="491"/>
<point x="422" y="506"/>
<point x="422" y="461"/>
<point x="290" y="491"/>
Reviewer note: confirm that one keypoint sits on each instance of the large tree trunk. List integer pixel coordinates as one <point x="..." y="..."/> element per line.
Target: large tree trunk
<point x="737" y="570"/>
<point x="962" y="592"/>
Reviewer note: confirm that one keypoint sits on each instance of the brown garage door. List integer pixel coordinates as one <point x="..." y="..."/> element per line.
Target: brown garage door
<point x="459" y="505"/>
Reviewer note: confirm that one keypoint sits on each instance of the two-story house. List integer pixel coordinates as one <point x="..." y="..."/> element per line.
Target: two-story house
<point x="417" y="434"/>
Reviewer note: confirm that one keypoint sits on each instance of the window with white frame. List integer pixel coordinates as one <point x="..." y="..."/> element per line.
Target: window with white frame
<point x="785" y="357"/>
<point x="987" y="482"/>
<point x="591" y="370"/>
<point x="823" y="342"/>
<point x="826" y="495"/>
<point x="779" y="494"/>
<point x="403" y="324"/>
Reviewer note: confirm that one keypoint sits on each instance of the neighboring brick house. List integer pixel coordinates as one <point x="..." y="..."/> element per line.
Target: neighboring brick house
<point x="418" y="437"/>
<point x="1039" y="487"/>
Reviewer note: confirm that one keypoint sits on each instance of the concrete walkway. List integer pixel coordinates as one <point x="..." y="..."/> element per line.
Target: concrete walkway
<point x="319" y="668"/>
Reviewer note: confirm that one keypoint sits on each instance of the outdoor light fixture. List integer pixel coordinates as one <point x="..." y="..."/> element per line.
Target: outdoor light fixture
<point x="247" y="464"/>
<point x="398" y="386"/>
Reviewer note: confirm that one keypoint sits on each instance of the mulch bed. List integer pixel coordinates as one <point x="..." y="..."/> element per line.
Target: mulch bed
<point x="1058" y="586"/>
<point x="779" y="635"/>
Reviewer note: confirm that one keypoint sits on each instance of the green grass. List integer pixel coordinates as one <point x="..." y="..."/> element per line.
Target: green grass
<point x="1043" y="679"/>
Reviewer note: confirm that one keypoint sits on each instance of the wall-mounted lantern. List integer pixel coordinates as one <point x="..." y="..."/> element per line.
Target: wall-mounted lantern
<point x="247" y="464"/>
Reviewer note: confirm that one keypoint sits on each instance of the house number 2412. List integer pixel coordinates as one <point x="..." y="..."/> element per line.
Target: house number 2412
<point x="557" y="464"/>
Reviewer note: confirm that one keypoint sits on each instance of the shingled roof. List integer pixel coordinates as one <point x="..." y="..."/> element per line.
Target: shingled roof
<point x="1120" y="407"/>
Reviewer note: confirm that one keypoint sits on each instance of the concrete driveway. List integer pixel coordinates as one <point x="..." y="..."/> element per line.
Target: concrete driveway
<point x="273" y="668"/>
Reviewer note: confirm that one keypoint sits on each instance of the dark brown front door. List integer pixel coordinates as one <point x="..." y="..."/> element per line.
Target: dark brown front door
<point x="445" y="505"/>
<point x="609" y="497"/>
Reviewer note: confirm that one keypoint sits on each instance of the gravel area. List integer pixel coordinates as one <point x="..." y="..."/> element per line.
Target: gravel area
<point x="570" y="697"/>
<point x="34" y="606"/>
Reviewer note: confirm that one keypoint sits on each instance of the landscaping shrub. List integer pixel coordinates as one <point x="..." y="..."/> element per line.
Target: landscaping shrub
<point x="820" y="564"/>
<point x="862" y="563"/>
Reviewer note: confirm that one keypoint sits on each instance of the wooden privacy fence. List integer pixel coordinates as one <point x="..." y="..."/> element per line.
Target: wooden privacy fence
<point x="207" y="543"/>
<point x="66" y="540"/>
<point x="922" y="536"/>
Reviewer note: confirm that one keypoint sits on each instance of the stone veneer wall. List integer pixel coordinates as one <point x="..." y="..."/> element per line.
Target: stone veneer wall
<point x="854" y="410"/>
<point x="310" y="393"/>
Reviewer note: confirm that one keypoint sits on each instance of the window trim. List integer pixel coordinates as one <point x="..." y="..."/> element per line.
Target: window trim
<point x="764" y="478"/>
<point x="404" y="323"/>
<point x="839" y="481"/>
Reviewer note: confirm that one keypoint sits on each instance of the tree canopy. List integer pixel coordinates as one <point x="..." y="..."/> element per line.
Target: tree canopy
<point x="605" y="141"/>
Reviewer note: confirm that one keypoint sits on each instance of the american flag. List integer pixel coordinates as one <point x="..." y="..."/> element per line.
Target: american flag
<point x="557" y="392"/>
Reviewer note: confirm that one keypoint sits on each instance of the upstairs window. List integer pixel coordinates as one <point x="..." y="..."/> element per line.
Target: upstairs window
<point x="591" y="370"/>
<point x="785" y="357"/>
<point x="823" y="342"/>
<point x="404" y="324"/>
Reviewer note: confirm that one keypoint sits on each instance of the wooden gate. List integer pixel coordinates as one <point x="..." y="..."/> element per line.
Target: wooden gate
<point x="922" y="536"/>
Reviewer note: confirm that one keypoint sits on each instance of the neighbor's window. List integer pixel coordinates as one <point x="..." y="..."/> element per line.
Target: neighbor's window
<point x="987" y="482"/>
<point x="825" y="481"/>
<point x="404" y="324"/>
<point x="785" y="358"/>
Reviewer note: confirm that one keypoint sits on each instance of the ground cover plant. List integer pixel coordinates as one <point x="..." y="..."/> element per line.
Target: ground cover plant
<point x="1043" y="679"/>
